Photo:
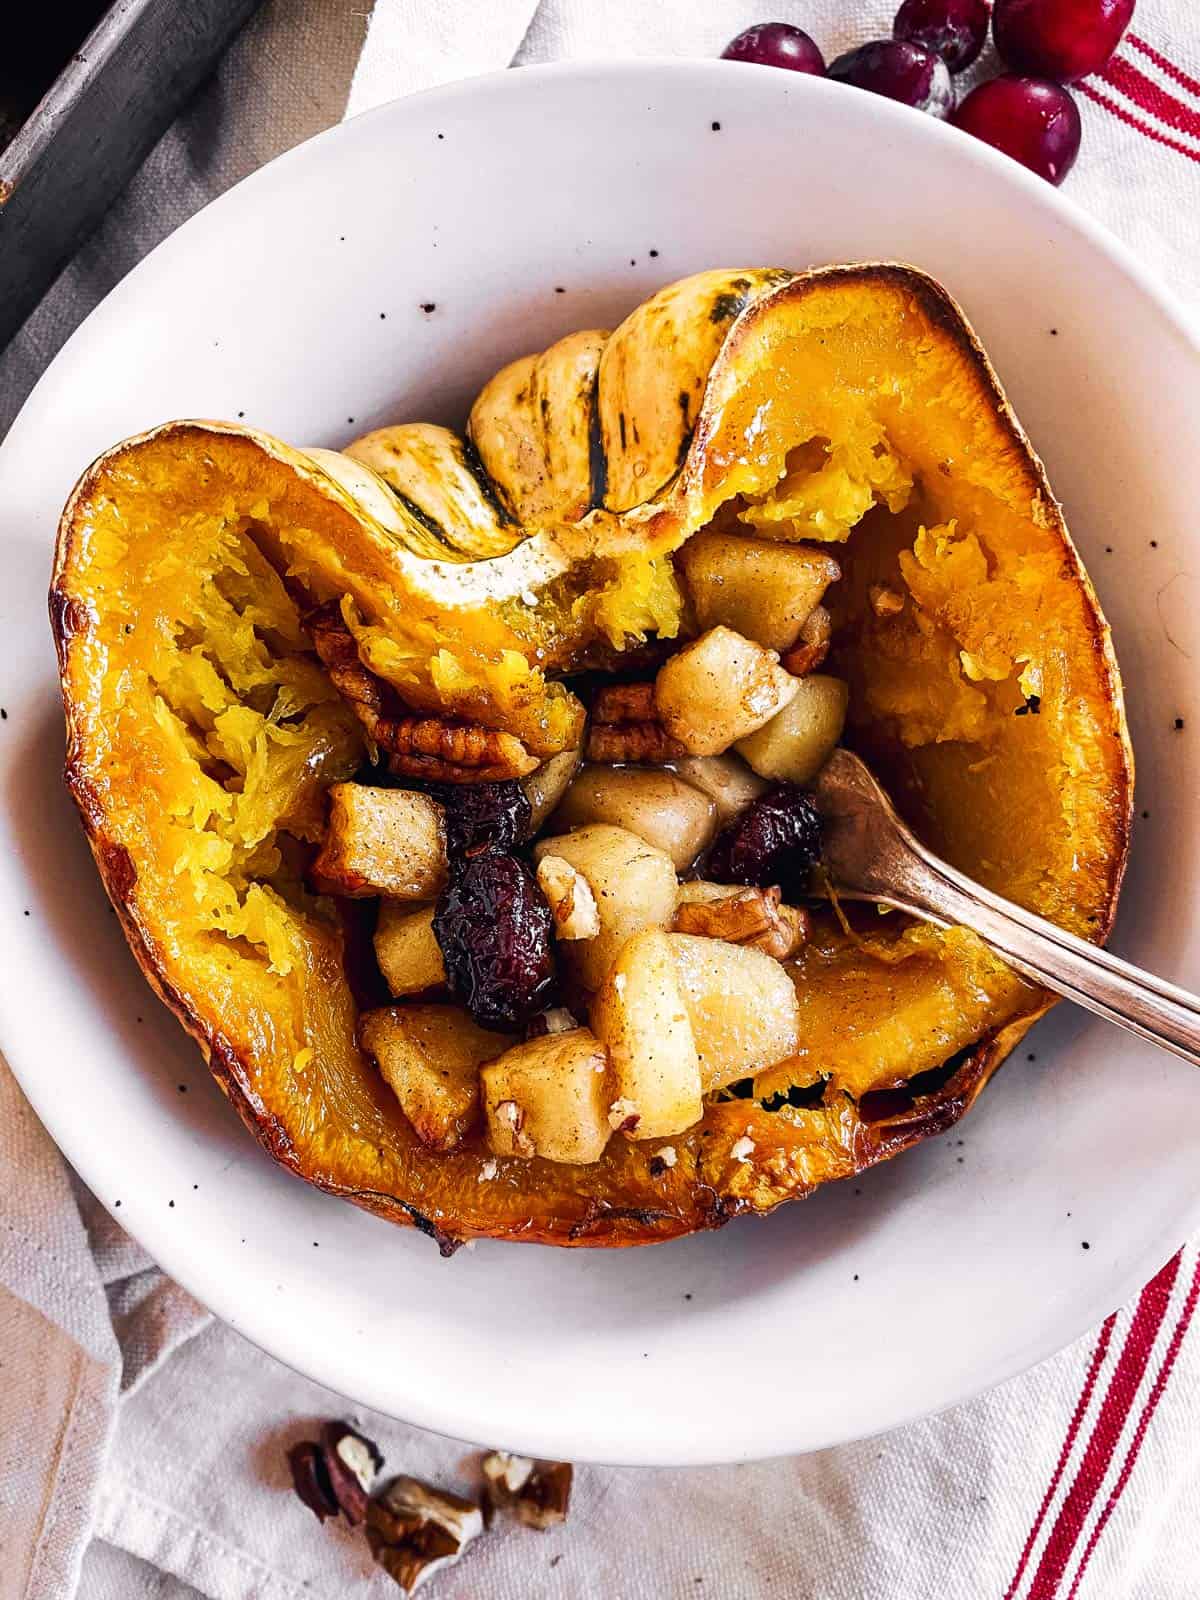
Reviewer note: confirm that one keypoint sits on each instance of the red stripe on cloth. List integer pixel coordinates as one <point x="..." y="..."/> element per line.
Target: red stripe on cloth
<point x="1085" y="1395"/>
<point x="1143" y="91"/>
<point x="1106" y="1432"/>
<point x="1136" y="122"/>
<point x="1160" y="61"/>
<point x="1144" y="1421"/>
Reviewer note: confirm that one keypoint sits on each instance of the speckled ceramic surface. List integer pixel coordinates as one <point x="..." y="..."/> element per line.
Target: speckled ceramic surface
<point x="382" y="272"/>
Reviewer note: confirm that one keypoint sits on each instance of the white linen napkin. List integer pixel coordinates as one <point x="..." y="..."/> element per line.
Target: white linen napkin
<point x="1138" y="171"/>
<point x="142" y="1445"/>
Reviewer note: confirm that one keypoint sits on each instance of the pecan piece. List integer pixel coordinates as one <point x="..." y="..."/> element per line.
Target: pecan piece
<point x="337" y="1474"/>
<point x="441" y="749"/>
<point x="415" y="1530"/>
<point x="446" y="751"/>
<point x="624" y="702"/>
<point x="537" y="1493"/>
<point x="752" y="917"/>
<point x="646" y="742"/>
<point x="626" y="727"/>
<point x="811" y="648"/>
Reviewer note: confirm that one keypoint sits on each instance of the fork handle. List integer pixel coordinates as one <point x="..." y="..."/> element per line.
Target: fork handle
<point x="1116" y="990"/>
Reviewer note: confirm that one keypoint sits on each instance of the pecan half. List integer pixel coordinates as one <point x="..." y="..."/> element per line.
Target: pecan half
<point x="537" y="1493"/>
<point x="645" y="742"/>
<point x="624" y="702"/>
<point x="811" y="648"/>
<point x="752" y="917"/>
<point x="455" y="752"/>
<point x="441" y="749"/>
<point x="625" y="727"/>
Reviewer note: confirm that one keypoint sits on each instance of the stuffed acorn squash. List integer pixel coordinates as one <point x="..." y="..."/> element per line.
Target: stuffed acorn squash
<point x="313" y="697"/>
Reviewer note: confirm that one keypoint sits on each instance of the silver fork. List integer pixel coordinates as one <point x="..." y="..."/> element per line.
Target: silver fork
<point x="870" y="854"/>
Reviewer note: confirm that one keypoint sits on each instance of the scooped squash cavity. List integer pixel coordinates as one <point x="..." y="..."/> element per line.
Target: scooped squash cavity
<point x="849" y="406"/>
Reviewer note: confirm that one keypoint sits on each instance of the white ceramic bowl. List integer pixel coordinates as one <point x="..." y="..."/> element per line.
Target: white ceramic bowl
<point x="296" y="301"/>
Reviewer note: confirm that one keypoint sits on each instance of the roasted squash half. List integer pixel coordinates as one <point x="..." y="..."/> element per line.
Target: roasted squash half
<point x="850" y="405"/>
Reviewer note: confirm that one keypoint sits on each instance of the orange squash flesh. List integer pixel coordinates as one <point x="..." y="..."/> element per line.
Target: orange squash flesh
<point x="851" y="405"/>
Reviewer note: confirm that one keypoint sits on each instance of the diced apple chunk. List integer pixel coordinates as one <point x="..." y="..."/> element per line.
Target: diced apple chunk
<point x="727" y="781"/>
<point x="546" y="785"/>
<point x="430" y="1057"/>
<point x="570" y="898"/>
<point x="633" y="884"/>
<point x="549" y="1097"/>
<point x="665" y="810"/>
<point x="641" y="1016"/>
<point x="382" y="842"/>
<point x="741" y="1005"/>
<point x="759" y="587"/>
<point x="795" y="745"/>
<point x="718" y="689"/>
<point x="409" y="955"/>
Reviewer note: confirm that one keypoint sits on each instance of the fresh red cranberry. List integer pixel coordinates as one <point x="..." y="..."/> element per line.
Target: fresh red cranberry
<point x="905" y="72"/>
<point x="776" y="44"/>
<point x="1059" y="39"/>
<point x="952" y="29"/>
<point x="1035" y="122"/>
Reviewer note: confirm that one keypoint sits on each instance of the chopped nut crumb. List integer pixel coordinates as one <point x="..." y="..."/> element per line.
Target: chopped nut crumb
<point x="555" y="1020"/>
<point x="570" y="898"/>
<point x="624" y="1116"/>
<point x="885" y="602"/>
<point x="510" y="1115"/>
<point x="743" y="1149"/>
<point x="662" y="1160"/>
<point x="810" y="650"/>
<point x="560" y="1020"/>
<point x="488" y="1171"/>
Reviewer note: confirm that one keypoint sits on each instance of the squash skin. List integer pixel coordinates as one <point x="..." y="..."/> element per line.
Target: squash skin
<point x="618" y="1201"/>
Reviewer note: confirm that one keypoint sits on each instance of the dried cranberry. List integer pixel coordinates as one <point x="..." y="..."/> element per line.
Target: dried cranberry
<point x="484" y="817"/>
<point x="493" y="926"/>
<point x="775" y="840"/>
